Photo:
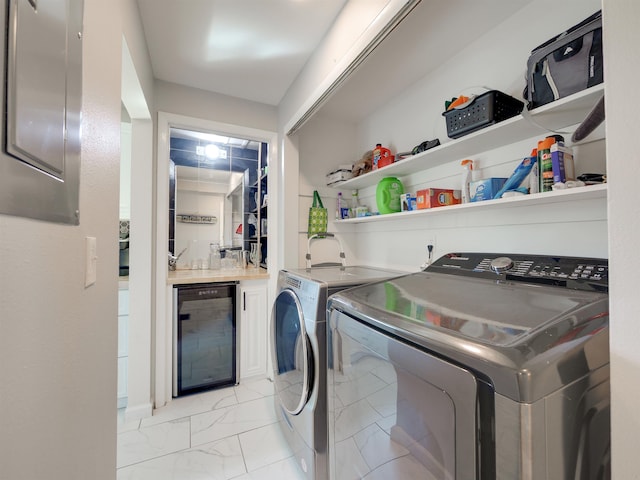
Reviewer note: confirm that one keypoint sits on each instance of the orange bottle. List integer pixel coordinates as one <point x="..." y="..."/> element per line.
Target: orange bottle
<point x="545" y="167"/>
<point x="381" y="157"/>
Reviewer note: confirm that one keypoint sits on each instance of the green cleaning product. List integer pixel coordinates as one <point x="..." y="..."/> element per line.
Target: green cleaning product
<point x="388" y="194"/>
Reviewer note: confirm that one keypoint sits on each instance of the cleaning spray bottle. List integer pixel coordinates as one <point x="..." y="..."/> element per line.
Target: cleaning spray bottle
<point x="467" y="165"/>
<point x="534" y="175"/>
<point x="545" y="165"/>
<point x="519" y="174"/>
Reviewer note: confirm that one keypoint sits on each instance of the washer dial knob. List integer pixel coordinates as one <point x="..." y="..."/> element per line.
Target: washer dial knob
<point x="501" y="264"/>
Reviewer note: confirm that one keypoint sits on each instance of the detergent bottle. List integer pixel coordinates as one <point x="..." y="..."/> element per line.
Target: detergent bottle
<point x="388" y="194"/>
<point x="381" y="157"/>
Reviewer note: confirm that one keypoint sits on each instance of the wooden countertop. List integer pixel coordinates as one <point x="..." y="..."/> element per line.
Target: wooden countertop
<point x="223" y="275"/>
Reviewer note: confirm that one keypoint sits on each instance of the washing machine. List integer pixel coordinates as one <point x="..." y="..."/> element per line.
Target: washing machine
<point x="482" y="366"/>
<point x="299" y="353"/>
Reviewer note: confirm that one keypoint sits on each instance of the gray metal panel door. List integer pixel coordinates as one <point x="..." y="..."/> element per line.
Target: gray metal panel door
<point x="39" y="178"/>
<point x="396" y="411"/>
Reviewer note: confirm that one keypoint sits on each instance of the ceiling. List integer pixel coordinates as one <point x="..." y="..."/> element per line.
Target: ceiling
<point x="208" y="137"/>
<point x="414" y="49"/>
<point x="208" y="175"/>
<point x="254" y="49"/>
<point x="211" y="171"/>
<point x="250" y="49"/>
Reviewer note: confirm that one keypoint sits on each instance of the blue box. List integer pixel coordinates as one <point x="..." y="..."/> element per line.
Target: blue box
<point x="407" y="202"/>
<point x="562" y="163"/>
<point x="485" y="189"/>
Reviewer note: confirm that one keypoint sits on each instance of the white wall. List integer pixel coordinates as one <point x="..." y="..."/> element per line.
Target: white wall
<point x="322" y="143"/>
<point x="196" y="103"/>
<point x="139" y="56"/>
<point x="495" y="60"/>
<point x="125" y="170"/>
<point x="141" y="271"/>
<point x="196" y="236"/>
<point x="137" y="97"/>
<point x="356" y="27"/>
<point x="285" y="184"/>
<point x="573" y="228"/>
<point x="621" y="73"/>
<point x="58" y="339"/>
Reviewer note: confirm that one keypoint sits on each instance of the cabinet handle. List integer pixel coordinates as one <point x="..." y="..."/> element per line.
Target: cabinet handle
<point x="244" y="301"/>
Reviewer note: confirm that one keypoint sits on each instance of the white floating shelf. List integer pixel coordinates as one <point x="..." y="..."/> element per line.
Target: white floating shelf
<point x="554" y="116"/>
<point x="557" y="196"/>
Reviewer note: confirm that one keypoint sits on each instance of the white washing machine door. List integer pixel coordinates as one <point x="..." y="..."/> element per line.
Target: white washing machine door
<point x="292" y="359"/>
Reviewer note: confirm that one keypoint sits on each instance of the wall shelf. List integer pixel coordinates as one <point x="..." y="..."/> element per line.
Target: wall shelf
<point x="558" y="115"/>
<point x="537" y="199"/>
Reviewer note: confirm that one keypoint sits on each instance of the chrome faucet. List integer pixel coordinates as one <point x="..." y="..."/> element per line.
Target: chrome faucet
<point x="173" y="260"/>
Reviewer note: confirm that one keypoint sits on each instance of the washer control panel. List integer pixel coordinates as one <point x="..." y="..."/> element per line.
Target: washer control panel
<point x="570" y="272"/>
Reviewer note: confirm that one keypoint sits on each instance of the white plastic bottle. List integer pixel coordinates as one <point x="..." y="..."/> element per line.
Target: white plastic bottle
<point x="466" y="179"/>
<point x="339" y="207"/>
<point x="354" y="204"/>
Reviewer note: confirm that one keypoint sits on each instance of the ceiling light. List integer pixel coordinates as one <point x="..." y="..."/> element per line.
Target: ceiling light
<point x="212" y="151"/>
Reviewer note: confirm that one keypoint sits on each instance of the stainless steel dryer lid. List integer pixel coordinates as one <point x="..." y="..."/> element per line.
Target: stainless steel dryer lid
<point x="491" y="313"/>
<point x="344" y="276"/>
<point x="509" y="328"/>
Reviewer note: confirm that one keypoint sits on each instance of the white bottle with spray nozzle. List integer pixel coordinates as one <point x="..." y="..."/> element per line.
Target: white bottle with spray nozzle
<point x="467" y="165"/>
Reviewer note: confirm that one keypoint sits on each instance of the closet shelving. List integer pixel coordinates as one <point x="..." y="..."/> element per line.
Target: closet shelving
<point x="557" y="196"/>
<point x="558" y="115"/>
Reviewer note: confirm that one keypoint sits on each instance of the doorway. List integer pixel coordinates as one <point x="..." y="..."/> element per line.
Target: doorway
<point x="218" y="197"/>
<point x="162" y="327"/>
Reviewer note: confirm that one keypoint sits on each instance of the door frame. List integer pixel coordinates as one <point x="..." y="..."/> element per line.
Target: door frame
<point x="163" y="331"/>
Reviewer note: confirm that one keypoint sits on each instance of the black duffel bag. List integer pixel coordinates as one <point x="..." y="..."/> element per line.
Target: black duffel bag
<point x="566" y="64"/>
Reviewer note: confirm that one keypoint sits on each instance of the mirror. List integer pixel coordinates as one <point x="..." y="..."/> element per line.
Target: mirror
<point x="212" y="194"/>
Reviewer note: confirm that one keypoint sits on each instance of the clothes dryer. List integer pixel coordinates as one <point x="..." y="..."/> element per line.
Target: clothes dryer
<point x="299" y="352"/>
<point x="482" y="366"/>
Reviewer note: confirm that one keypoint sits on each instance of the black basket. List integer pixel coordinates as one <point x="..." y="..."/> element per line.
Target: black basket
<point x="484" y="110"/>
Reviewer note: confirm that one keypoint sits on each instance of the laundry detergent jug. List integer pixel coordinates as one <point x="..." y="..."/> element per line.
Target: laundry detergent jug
<point x="381" y="157"/>
<point x="388" y="194"/>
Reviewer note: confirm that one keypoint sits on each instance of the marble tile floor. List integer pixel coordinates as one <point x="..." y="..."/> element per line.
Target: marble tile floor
<point x="230" y="433"/>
